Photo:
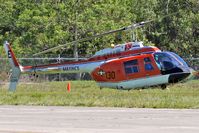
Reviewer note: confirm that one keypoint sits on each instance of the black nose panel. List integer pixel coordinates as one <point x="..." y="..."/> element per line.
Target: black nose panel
<point x="174" y="78"/>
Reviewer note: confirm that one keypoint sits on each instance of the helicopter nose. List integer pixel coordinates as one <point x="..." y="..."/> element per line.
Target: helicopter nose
<point x="177" y="77"/>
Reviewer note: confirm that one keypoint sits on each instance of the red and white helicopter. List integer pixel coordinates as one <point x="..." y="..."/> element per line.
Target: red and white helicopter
<point x="125" y="66"/>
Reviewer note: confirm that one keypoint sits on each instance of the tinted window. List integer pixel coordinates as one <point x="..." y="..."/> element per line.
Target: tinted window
<point x="133" y="69"/>
<point x="164" y="60"/>
<point x="148" y="66"/>
<point x="128" y="70"/>
<point x="179" y="59"/>
<point x="131" y="66"/>
<point x="132" y="62"/>
<point x="146" y="60"/>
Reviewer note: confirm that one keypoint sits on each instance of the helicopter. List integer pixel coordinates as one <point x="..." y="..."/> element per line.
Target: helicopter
<point x="124" y="66"/>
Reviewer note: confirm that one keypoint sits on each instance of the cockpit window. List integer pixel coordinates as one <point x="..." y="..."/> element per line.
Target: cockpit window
<point x="182" y="62"/>
<point x="168" y="60"/>
<point x="164" y="61"/>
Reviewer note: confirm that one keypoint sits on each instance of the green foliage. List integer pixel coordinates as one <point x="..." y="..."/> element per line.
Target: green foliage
<point x="35" y="25"/>
<point x="178" y="32"/>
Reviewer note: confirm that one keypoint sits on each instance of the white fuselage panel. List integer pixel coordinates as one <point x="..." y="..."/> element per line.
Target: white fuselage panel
<point x="136" y="83"/>
<point x="68" y="68"/>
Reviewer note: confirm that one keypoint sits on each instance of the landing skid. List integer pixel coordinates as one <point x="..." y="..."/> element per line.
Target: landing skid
<point x="163" y="86"/>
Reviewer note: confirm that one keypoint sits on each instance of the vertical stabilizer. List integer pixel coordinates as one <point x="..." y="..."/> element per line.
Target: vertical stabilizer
<point x="16" y="71"/>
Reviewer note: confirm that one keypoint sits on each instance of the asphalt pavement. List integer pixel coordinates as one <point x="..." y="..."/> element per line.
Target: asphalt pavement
<point x="52" y="119"/>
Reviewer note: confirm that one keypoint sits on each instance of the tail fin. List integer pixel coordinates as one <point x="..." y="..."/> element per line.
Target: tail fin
<point x="16" y="71"/>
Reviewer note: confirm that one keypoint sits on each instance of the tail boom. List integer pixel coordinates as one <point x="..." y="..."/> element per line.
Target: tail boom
<point x="62" y="68"/>
<point x="16" y="68"/>
<point x="71" y="67"/>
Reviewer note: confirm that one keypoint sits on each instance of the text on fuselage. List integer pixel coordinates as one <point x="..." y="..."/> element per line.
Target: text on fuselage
<point x="71" y="68"/>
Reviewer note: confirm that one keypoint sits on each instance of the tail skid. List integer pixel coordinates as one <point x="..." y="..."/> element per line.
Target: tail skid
<point x="16" y="70"/>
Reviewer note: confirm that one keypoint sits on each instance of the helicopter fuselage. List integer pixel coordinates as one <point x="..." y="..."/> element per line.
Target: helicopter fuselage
<point x="138" y="67"/>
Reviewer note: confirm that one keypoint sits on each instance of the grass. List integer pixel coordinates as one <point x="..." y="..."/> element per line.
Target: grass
<point x="87" y="93"/>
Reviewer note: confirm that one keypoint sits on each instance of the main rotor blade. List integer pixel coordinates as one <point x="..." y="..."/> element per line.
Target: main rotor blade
<point x="130" y="27"/>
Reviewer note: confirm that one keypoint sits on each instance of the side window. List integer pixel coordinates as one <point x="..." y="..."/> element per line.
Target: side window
<point x="146" y="60"/>
<point x="147" y="64"/>
<point x="131" y="66"/>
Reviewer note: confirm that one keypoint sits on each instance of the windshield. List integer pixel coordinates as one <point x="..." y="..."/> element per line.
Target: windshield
<point x="177" y="57"/>
<point x="168" y="60"/>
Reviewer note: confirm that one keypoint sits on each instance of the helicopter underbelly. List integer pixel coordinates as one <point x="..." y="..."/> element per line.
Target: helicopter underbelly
<point x="136" y="83"/>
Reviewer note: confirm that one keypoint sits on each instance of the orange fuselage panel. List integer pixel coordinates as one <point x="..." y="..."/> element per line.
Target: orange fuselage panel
<point x="114" y="71"/>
